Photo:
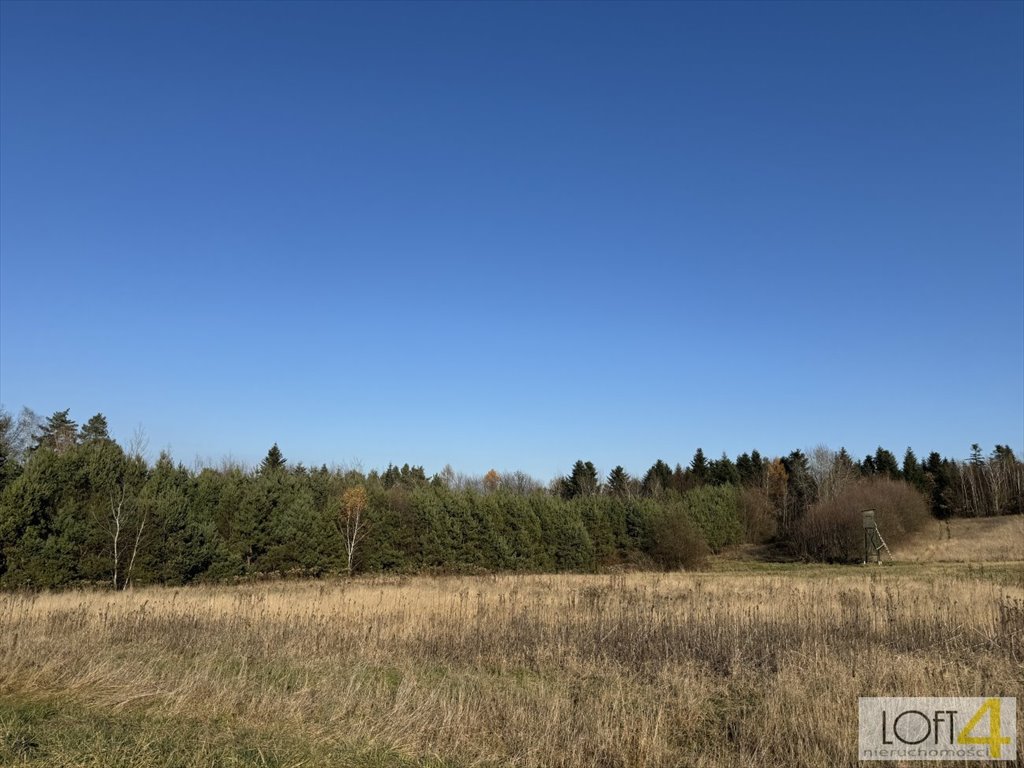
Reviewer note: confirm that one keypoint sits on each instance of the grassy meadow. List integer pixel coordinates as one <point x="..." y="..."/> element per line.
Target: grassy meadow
<point x="747" y="664"/>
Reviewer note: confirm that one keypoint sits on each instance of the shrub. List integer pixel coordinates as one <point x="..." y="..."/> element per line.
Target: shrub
<point x="675" y="542"/>
<point x="715" y="512"/>
<point x="757" y="516"/>
<point x="832" y="530"/>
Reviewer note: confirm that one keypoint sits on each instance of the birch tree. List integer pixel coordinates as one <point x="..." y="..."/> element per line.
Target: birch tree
<point x="118" y="480"/>
<point x="353" y="521"/>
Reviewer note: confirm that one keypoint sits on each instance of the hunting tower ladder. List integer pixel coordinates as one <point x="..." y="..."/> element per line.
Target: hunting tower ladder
<point x="873" y="541"/>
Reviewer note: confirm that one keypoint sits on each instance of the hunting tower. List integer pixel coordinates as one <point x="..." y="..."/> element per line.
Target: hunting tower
<point x="873" y="541"/>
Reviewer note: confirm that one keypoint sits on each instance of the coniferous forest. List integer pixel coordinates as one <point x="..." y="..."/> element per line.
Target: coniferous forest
<point x="76" y="507"/>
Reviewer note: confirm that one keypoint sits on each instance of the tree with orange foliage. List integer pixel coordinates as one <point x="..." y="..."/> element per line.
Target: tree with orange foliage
<point x="491" y="481"/>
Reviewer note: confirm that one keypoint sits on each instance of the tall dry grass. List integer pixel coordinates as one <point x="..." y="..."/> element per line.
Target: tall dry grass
<point x="966" y="540"/>
<point x="636" y="670"/>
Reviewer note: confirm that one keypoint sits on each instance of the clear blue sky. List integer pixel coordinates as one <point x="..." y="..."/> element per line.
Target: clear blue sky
<point x="516" y="235"/>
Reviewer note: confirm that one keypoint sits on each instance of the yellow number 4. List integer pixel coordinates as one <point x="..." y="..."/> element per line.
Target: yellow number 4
<point x="995" y="738"/>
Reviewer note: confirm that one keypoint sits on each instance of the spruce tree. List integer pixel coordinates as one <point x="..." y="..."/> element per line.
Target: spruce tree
<point x="658" y="479"/>
<point x="680" y="479"/>
<point x="845" y="462"/>
<point x="618" y="482"/>
<point x="583" y="480"/>
<point x="913" y="472"/>
<point x="886" y="464"/>
<point x="699" y="467"/>
<point x="745" y="468"/>
<point x="273" y="461"/>
<point x="758" y="464"/>
<point x="723" y="472"/>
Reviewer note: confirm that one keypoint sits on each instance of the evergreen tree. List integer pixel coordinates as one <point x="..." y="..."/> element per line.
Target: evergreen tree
<point x="800" y="488"/>
<point x="390" y="477"/>
<point x="658" y="479"/>
<point x="95" y="429"/>
<point x="758" y="463"/>
<point x="618" y="483"/>
<point x="406" y="477"/>
<point x="177" y="544"/>
<point x="913" y="472"/>
<point x="939" y="472"/>
<point x="582" y="481"/>
<point x="751" y="469"/>
<point x="845" y="463"/>
<point x="681" y="479"/>
<point x="745" y="469"/>
<point x="716" y="513"/>
<point x="1004" y="454"/>
<point x="699" y="467"/>
<point x="59" y="433"/>
<point x="413" y="476"/>
<point x="976" y="457"/>
<point x="885" y="463"/>
<point x="273" y="461"/>
<point x="723" y="472"/>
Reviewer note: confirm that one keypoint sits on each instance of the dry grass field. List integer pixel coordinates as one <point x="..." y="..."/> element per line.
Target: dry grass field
<point x="985" y="539"/>
<point x="761" y="667"/>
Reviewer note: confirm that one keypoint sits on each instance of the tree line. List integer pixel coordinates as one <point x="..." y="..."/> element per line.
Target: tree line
<point x="77" y="507"/>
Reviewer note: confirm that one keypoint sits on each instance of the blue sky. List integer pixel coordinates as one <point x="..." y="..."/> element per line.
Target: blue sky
<point x="514" y="235"/>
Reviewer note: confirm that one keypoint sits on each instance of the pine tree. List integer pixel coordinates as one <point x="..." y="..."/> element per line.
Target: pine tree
<point x="1004" y="453"/>
<point x="59" y="433"/>
<point x="95" y="429"/>
<point x="976" y="458"/>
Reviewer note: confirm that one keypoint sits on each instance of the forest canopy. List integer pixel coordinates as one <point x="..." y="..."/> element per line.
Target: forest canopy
<point x="77" y="507"/>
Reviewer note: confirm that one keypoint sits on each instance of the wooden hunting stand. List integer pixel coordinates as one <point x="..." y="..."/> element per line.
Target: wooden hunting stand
<point x="873" y="541"/>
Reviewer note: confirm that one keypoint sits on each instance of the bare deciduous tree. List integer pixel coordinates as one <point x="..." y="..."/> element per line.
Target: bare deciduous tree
<point x="17" y="434"/>
<point x="777" y="489"/>
<point x="519" y="483"/>
<point x="830" y="472"/>
<point x="139" y="444"/>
